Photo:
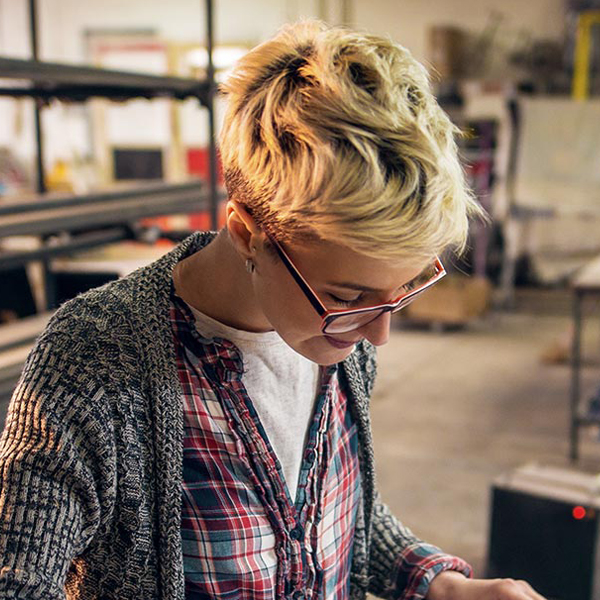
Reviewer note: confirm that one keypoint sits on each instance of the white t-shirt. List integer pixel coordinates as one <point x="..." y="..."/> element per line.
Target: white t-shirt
<point x="282" y="385"/>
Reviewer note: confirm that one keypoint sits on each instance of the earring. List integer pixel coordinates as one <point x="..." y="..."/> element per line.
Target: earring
<point x="250" y="266"/>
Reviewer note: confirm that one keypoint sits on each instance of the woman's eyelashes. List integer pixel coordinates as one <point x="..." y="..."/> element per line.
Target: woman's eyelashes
<point x="344" y="301"/>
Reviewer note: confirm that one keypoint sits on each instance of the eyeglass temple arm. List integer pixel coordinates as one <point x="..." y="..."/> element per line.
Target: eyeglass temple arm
<point x="310" y="294"/>
<point x="441" y="273"/>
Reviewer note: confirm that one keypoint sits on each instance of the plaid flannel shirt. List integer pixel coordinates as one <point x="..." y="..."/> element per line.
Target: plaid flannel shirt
<point x="243" y="536"/>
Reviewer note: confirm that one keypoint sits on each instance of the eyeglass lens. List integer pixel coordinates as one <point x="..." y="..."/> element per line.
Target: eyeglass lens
<point x="345" y="323"/>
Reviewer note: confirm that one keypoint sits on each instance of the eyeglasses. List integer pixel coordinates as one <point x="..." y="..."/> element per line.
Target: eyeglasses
<point x="343" y="321"/>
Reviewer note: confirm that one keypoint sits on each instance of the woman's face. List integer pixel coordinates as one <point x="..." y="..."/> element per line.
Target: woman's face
<point x="342" y="279"/>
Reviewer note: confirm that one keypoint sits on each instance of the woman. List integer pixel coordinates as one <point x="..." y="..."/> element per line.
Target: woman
<point x="200" y="428"/>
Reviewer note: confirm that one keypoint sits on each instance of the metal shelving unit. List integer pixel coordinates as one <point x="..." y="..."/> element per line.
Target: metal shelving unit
<point x="47" y="215"/>
<point x="71" y="223"/>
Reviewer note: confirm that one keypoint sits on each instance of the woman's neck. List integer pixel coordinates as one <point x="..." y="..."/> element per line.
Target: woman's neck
<point x="215" y="282"/>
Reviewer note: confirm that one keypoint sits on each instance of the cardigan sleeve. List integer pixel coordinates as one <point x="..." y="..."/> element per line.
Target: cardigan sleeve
<point x="401" y="565"/>
<point x="52" y="486"/>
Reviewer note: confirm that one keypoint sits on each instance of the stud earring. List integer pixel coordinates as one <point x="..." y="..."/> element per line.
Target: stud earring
<point x="250" y="266"/>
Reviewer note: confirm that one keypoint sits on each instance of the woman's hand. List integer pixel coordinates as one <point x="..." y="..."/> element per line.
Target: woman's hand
<point x="451" y="585"/>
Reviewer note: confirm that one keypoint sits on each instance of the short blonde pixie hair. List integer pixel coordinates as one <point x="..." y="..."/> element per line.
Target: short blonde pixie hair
<point x="335" y="134"/>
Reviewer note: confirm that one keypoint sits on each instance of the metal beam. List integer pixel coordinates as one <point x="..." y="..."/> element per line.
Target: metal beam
<point x="83" y="241"/>
<point x="53" y="201"/>
<point x="210" y="104"/>
<point x="55" y="80"/>
<point x="101" y="214"/>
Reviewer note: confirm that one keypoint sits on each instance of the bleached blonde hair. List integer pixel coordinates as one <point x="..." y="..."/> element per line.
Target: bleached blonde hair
<point x="335" y="134"/>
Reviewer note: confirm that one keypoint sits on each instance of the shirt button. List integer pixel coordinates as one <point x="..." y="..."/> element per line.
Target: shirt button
<point x="296" y="534"/>
<point x="310" y="456"/>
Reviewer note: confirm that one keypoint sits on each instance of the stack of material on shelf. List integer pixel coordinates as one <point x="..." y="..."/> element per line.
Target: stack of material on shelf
<point x="455" y="300"/>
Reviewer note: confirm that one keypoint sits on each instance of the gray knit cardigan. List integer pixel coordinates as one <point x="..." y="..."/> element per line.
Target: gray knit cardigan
<point x="91" y="456"/>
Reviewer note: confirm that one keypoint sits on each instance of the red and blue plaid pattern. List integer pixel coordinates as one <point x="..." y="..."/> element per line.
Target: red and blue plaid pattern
<point x="243" y="536"/>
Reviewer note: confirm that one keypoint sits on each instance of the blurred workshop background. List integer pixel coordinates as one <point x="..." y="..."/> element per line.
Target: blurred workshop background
<point x="486" y="413"/>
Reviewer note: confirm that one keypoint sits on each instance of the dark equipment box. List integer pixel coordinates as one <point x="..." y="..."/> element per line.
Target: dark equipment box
<point x="544" y="529"/>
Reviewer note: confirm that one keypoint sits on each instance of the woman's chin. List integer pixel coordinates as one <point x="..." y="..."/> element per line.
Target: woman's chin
<point x="321" y="351"/>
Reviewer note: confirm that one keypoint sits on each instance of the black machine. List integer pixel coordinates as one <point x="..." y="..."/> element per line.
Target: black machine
<point x="544" y="529"/>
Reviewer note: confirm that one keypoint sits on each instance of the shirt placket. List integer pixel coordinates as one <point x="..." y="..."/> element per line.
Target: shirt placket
<point x="311" y="487"/>
<point x="293" y="524"/>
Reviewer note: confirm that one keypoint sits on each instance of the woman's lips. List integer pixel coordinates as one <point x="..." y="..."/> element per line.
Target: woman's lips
<point x="341" y="344"/>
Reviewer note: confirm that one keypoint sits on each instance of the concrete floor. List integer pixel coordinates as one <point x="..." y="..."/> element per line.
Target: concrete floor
<point x="453" y="410"/>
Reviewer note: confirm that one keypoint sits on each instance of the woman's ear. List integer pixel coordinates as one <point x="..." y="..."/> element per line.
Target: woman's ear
<point x="243" y="230"/>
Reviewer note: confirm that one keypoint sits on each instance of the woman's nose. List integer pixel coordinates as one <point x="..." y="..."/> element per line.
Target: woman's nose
<point x="378" y="331"/>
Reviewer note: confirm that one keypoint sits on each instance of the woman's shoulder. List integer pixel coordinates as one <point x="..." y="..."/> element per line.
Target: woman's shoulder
<point x="98" y="310"/>
<point x="138" y="298"/>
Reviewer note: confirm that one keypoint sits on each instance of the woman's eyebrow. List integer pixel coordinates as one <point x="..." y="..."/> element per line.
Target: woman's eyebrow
<point x="353" y="286"/>
<point x="363" y="288"/>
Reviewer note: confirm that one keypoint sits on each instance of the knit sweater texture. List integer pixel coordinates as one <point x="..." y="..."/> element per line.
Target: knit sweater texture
<point x="91" y="455"/>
